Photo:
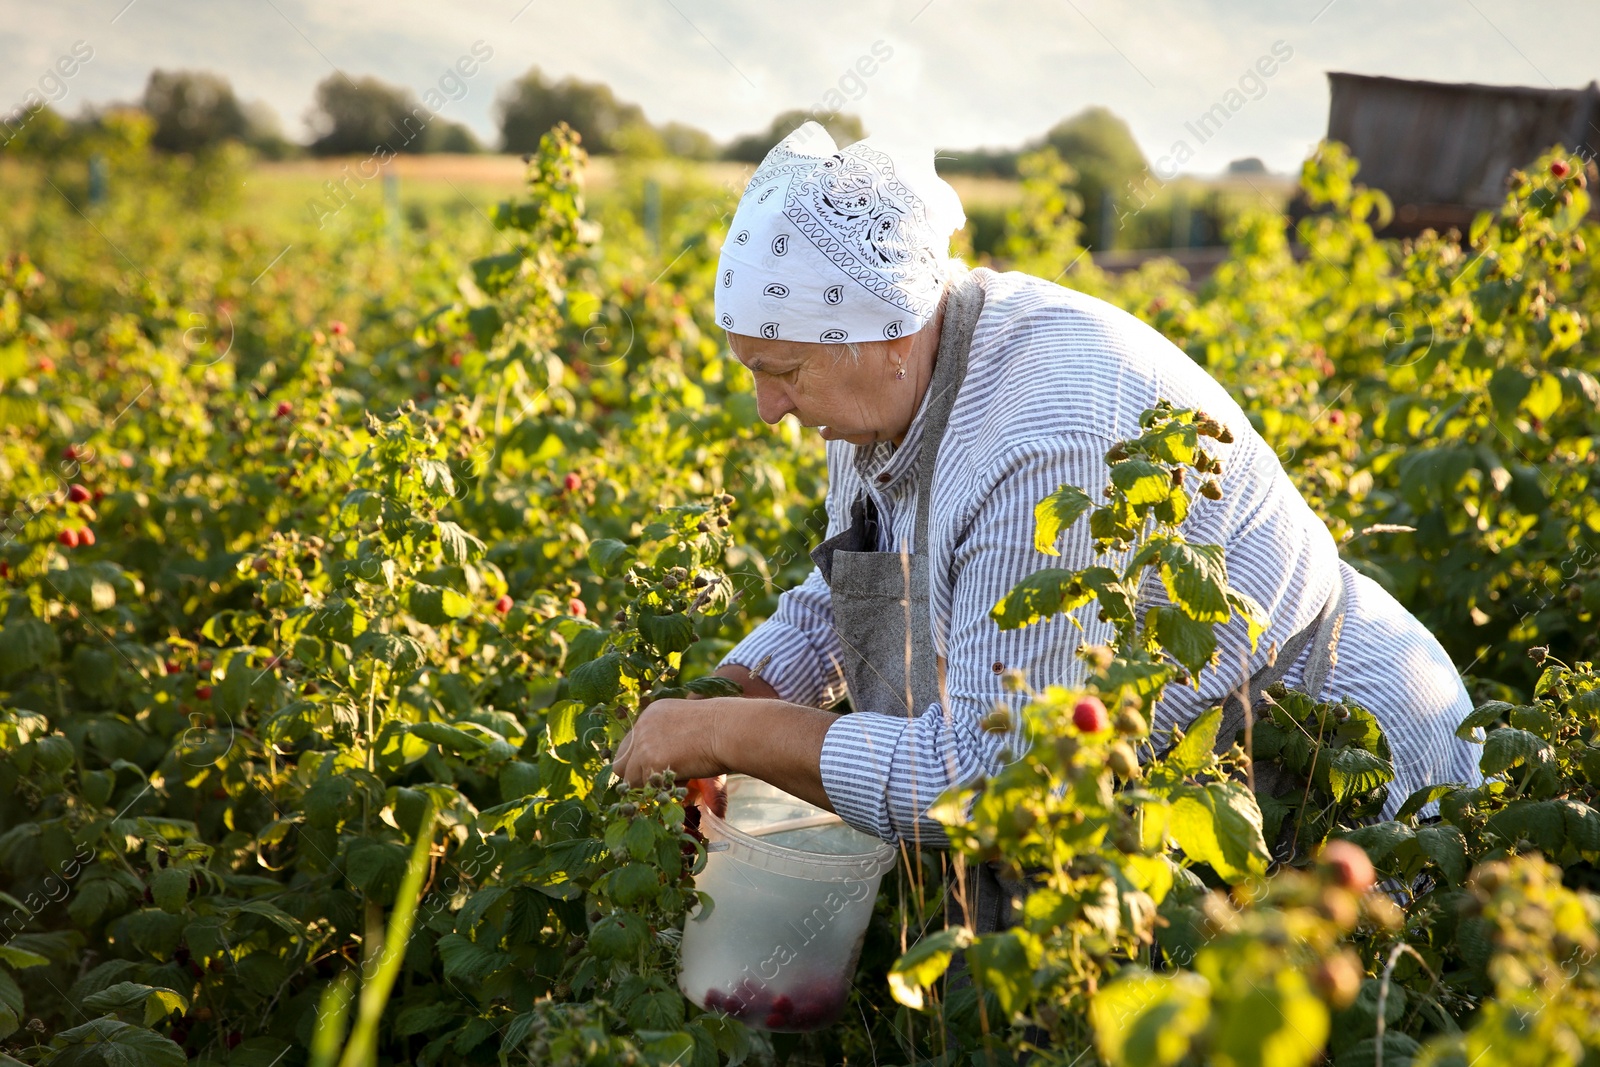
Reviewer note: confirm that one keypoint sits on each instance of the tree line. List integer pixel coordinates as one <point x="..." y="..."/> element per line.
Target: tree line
<point x="192" y="111"/>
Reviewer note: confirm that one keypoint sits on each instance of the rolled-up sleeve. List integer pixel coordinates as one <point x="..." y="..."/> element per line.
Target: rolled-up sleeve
<point x="883" y="772"/>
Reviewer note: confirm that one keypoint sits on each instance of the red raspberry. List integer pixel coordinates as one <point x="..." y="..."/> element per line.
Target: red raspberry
<point x="285" y="409"/>
<point x="576" y="607"/>
<point x="85" y="536"/>
<point x="68" y="537"/>
<point x="572" y="482"/>
<point x="203" y="692"/>
<point x="1349" y="864"/>
<point x="504" y="604"/>
<point x="1089" y="716"/>
<point x="1560" y="168"/>
<point x="77" y="494"/>
<point x="337" y="328"/>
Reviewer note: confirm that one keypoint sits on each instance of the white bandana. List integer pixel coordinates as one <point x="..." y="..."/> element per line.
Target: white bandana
<point x="836" y="244"/>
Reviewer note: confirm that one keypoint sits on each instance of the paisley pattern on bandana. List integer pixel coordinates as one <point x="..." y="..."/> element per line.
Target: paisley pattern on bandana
<point x="869" y="225"/>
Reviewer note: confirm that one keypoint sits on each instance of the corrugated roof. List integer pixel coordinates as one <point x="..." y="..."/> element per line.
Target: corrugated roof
<point x="1436" y="144"/>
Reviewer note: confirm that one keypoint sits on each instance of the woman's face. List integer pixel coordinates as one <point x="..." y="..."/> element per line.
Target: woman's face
<point x="823" y="387"/>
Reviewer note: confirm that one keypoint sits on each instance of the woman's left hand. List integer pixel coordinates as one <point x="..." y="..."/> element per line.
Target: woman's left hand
<point x="676" y="735"/>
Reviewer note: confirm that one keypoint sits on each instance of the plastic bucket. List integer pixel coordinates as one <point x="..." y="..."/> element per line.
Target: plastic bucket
<point x="791" y="887"/>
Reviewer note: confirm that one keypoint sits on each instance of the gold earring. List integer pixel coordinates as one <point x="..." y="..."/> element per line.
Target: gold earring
<point x="900" y="375"/>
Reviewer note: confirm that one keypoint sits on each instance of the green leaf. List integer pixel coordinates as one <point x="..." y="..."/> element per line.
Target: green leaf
<point x="1189" y="642"/>
<point x="1354" y="771"/>
<point x="20" y="958"/>
<point x="668" y="633"/>
<point x="1447" y="848"/>
<point x="113" y="1043"/>
<point x="1220" y="824"/>
<point x="435" y="605"/>
<point x="1147" y="1020"/>
<point x="494" y="274"/>
<point x="1109" y="591"/>
<point x="1254" y="615"/>
<point x="608" y="557"/>
<point x="1197" y="750"/>
<point x="924" y="964"/>
<point x="425" y="1018"/>
<point x="459" y="546"/>
<point x="1055" y="513"/>
<point x="1196" y="579"/>
<point x="375" y="867"/>
<point x="1143" y="482"/>
<point x="1542" y="823"/>
<point x="466" y="960"/>
<point x="1379" y="840"/>
<point x="1398" y="1051"/>
<point x="1489" y="713"/>
<point x="170" y="888"/>
<point x="633" y="883"/>
<point x="1276" y="1023"/>
<point x="598" y="681"/>
<point x="657" y="1011"/>
<point x="54" y="754"/>
<point x="1582" y="824"/>
<point x="1507" y="387"/>
<point x="148" y="1003"/>
<point x="1176" y="442"/>
<point x="1425" y="796"/>
<point x="1509" y="747"/>
<point x="1040" y="596"/>
<point x="1544" y="397"/>
<point x="618" y="936"/>
<point x="639" y="838"/>
<point x="1003" y="964"/>
<point x="11" y="1005"/>
<point x="27" y="643"/>
<point x="712" y="685"/>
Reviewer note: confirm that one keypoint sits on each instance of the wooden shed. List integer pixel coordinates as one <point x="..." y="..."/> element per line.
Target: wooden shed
<point x="1442" y="151"/>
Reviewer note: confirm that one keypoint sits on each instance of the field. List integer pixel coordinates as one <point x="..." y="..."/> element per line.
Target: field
<point x="343" y="545"/>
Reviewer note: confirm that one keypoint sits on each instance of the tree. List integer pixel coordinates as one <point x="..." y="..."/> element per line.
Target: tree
<point x="1100" y="147"/>
<point x="451" y="137"/>
<point x="753" y="148"/>
<point x="193" y="110"/>
<point x="530" y="106"/>
<point x="687" y="142"/>
<point x="360" y="116"/>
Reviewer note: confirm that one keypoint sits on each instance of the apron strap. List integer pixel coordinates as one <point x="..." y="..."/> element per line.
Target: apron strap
<point x="961" y="311"/>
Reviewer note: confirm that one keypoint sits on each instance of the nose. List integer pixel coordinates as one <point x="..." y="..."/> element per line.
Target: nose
<point x="772" y="401"/>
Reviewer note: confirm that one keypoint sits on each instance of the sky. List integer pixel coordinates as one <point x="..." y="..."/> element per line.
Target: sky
<point x="954" y="73"/>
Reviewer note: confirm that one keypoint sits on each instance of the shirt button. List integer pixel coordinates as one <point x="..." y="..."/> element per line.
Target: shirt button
<point x="883" y="479"/>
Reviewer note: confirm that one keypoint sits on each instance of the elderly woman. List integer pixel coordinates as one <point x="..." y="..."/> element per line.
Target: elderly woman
<point x="952" y="401"/>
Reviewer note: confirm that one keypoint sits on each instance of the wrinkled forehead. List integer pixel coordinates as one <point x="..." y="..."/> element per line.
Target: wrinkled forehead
<point x="766" y="351"/>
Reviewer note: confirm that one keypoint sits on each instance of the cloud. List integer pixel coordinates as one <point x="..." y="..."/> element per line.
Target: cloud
<point x="965" y="73"/>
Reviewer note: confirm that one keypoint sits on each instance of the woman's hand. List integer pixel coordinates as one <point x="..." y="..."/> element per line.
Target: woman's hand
<point x="771" y="740"/>
<point x="676" y="735"/>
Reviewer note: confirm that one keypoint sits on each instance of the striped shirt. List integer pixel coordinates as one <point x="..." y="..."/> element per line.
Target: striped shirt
<point x="1054" y="378"/>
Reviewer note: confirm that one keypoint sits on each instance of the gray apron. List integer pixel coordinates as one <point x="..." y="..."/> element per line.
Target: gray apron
<point x="880" y="612"/>
<point x="880" y="599"/>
